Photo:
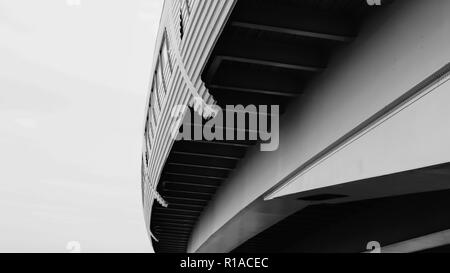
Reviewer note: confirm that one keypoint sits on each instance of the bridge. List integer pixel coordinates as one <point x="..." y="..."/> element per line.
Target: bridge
<point x="362" y="152"/>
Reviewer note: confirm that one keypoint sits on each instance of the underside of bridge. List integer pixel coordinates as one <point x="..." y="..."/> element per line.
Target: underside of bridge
<point x="349" y="226"/>
<point x="267" y="54"/>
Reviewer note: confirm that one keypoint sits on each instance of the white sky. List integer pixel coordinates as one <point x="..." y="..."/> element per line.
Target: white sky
<point x="73" y="82"/>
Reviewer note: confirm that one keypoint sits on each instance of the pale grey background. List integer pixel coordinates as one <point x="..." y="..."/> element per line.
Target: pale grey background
<point x="73" y="82"/>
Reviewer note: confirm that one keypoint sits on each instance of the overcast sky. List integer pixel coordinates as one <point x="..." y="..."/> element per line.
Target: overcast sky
<point x="73" y="79"/>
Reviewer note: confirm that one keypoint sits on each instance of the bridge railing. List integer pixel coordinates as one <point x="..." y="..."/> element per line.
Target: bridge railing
<point x="188" y="29"/>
